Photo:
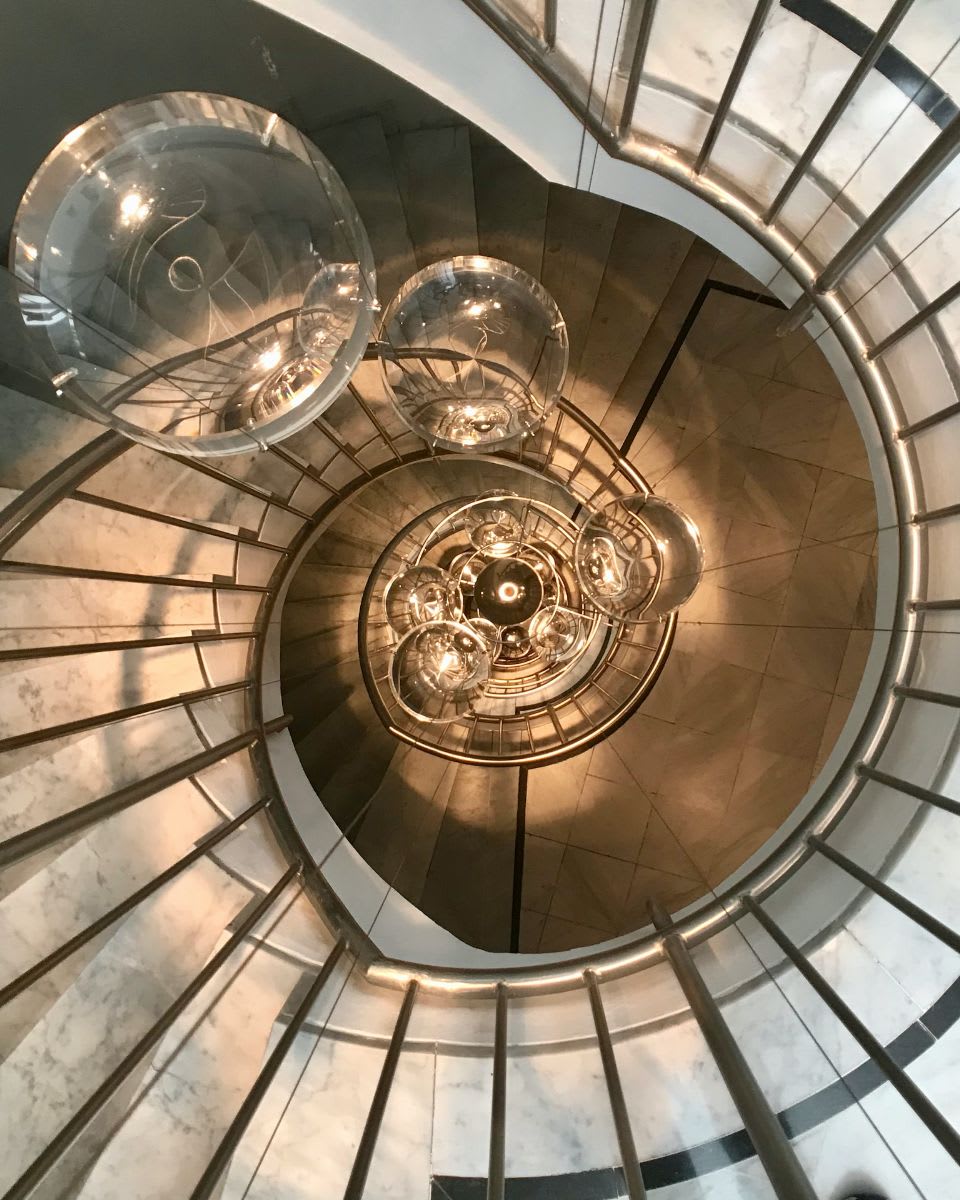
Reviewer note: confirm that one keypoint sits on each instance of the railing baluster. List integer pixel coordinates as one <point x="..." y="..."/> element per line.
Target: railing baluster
<point x="204" y="467"/>
<point x="51" y="1154"/>
<point x="912" y="693"/>
<point x="550" y="23"/>
<point x="750" y="38"/>
<point x="925" y="920"/>
<point x="20" y="741"/>
<point x="371" y="1130"/>
<point x="19" y="653"/>
<point x="910" y="789"/>
<point x="496" y="1172"/>
<point x="769" y="1140"/>
<point x="931" y="1116"/>
<point x="618" y="1107"/>
<point x="50" y="832"/>
<point x="13" y="989"/>
<point x="16" y="567"/>
<point x="637" y="59"/>
<point x="923" y="172"/>
<point x="207" y="1184"/>
<point x="146" y="514"/>
<point x="952" y="410"/>
<point x="918" y="319"/>
<point x="857" y="76"/>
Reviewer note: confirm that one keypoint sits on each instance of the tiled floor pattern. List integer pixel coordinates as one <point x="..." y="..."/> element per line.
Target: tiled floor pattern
<point x="750" y="435"/>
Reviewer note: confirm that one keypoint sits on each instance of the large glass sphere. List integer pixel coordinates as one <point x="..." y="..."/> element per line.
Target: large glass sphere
<point x="557" y="633"/>
<point x="206" y="282"/>
<point x="438" y="669"/>
<point x="639" y="558"/>
<point x="494" y="525"/>
<point x="420" y="594"/>
<point x="475" y="353"/>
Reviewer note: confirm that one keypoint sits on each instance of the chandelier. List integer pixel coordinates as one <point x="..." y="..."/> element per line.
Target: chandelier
<point x="506" y="602"/>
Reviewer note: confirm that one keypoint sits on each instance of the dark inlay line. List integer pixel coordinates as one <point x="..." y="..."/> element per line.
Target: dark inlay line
<point x="710" y="285"/>
<point x="518" y="848"/>
<point x="893" y="64"/>
<point x="733" y="1148"/>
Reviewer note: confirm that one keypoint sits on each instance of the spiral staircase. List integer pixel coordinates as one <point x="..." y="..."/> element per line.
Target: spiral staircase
<point x="227" y="967"/>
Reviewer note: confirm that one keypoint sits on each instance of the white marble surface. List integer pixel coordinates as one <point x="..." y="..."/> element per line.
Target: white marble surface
<point x="81" y="535"/>
<point x="461" y="1116"/>
<point x="199" y="1076"/>
<point x="313" y="1148"/>
<point x="46" y="692"/>
<point x="109" y="1006"/>
<point x="558" y="1114"/>
<point x="401" y="1165"/>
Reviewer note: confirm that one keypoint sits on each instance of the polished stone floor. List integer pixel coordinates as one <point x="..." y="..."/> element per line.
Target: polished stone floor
<point x="749" y="433"/>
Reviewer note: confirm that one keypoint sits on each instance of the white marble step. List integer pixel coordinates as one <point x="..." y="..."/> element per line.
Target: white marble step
<point x="84" y="879"/>
<point x="197" y="1079"/>
<point x="107" y="1008"/>
<point x="36" y="437"/>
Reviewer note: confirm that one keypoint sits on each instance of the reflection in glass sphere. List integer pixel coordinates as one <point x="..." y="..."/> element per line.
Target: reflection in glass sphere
<point x="514" y="642"/>
<point x="494" y="526"/>
<point x="477" y="352"/>
<point x="557" y="634"/>
<point x="420" y="594"/>
<point x="438" y="668"/>
<point x="488" y="631"/>
<point x="207" y="281"/>
<point x="639" y="558"/>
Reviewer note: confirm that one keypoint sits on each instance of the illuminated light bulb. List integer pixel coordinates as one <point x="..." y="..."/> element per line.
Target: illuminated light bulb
<point x="269" y="359"/>
<point x="639" y="558"/>
<point x="557" y="634"/>
<point x="438" y="668"/>
<point x="134" y="208"/>
<point x="494" y="527"/>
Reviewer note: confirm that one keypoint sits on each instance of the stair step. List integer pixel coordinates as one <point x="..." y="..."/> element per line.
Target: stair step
<point x="359" y="151"/>
<point x="434" y="173"/>
<point x="579" y="234"/>
<point x="511" y="205"/>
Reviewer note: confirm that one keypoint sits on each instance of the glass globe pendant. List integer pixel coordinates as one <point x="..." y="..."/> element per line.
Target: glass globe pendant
<point x="206" y="281"/>
<point x="420" y="594"/>
<point x="474" y="353"/>
<point x="438" y="669"/>
<point x="639" y="558"/>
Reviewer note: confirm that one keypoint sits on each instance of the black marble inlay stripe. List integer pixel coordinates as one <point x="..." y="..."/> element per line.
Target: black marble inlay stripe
<point x="929" y="97"/>
<point x="711" y="285"/>
<point x="734" y="1147"/>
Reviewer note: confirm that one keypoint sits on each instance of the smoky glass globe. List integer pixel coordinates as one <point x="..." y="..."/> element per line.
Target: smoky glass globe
<point x="639" y="558"/>
<point x="194" y="273"/>
<point x="475" y="353"/>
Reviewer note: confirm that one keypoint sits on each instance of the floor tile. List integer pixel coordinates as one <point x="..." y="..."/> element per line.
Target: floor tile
<point x="846" y="451"/>
<point x="671" y="892"/>
<point x="552" y="796"/>
<point x="642" y="745"/>
<point x="825" y="587"/>
<point x="843" y="511"/>
<point x="796" y="423"/>
<point x="591" y="889"/>
<point x="776" y="491"/>
<point x="789" y="718"/>
<point x="810" y="656"/>
<point x="531" y="927"/>
<point x="836" y="719"/>
<point x="701" y="769"/>
<point x="560" y="934"/>
<point x="611" y="818"/>
<point x="720" y="698"/>
<point x="606" y="763"/>
<point x="541" y="865"/>
<point x="757" y="560"/>
<point x="663" y="851"/>
<point x="854" y="661"/>
<point x="768" y="785"/>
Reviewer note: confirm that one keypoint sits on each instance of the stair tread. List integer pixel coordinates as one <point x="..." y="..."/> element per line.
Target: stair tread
<point x="434" y="172"/>
<point x="358" y="149"/>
